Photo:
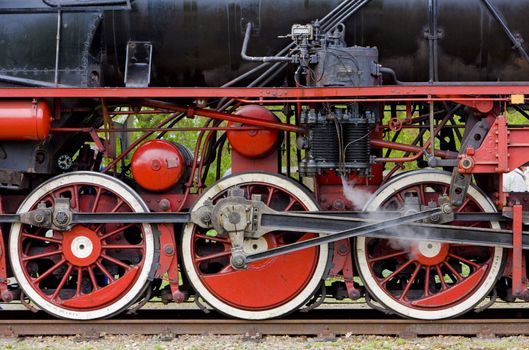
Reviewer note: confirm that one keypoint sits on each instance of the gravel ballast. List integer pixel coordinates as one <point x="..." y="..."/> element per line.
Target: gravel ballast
<point x="270" y="342"/>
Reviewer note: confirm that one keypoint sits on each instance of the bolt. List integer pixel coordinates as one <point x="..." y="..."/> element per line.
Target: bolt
<point x="179" y="297"/>
<point x="238" y="262"/>
<point x="38" y="218"/>
<point x="355" y="294"/>
<point x="156" y="165"/>
<point x="61" y="218"/>
<point x="435" y="218"/>
<point x="169" y="250"/>
<point x="205" y="218"/>
<point x="165" y="204"/>
<point x="467" y="163"/>
<point x="447" y="208"/>
<point x="234" y="218"/>
<point x="7" y="296"/>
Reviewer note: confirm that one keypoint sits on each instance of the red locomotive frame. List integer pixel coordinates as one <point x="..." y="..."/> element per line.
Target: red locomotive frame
<point x="502" y="150"/>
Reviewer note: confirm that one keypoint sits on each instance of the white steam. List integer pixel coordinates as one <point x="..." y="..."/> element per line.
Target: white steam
<point x="357" y="196"/>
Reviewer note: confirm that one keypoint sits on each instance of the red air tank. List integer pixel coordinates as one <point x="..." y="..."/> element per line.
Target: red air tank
<point x="254" y="143"/>
<point x="25" y="120"/>
<point x="157" y="165"/>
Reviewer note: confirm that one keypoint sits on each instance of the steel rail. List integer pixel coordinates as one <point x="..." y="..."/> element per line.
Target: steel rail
<point x="308" y="327"/>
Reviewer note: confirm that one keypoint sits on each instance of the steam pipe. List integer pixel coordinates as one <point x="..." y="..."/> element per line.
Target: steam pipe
<point x="245" y="56"/>
<point x="224" y="116"/>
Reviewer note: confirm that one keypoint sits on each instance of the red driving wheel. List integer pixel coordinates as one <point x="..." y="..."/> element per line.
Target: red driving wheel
<point x="90" y="271"/>
<point x="270" y="287"/>
<point x="421" y="278"/>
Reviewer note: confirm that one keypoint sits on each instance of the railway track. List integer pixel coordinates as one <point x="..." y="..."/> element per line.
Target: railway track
<point x="319" y="323"/>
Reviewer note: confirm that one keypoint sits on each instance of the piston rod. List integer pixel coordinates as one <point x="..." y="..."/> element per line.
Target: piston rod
<point x="241" y="261"/>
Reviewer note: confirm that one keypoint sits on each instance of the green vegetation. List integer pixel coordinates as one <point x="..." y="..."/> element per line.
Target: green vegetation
<point x="189" y="139"/>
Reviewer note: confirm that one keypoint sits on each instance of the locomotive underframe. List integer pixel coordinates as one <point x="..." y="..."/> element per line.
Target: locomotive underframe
<point x="502" y="150"/>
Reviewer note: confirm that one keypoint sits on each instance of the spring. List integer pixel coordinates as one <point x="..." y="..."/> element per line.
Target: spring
<point x="324" y="143"/>
<point x="357" y="149"/>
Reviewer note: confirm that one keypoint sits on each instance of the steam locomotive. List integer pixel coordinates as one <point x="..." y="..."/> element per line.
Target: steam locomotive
<point x="346" y="149"/>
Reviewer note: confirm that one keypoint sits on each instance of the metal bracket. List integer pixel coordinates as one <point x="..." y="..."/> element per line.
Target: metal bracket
<point x="59" y="217"/>
<point x="461" y="182"/>
<point x="138" y="64"/>
<point x="236" y="214"/>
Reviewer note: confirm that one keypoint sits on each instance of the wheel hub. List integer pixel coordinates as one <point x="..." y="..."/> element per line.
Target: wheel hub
<point x="430" y="253"/>
<point x="81" y="246"/>
<point x="253" y="246"/>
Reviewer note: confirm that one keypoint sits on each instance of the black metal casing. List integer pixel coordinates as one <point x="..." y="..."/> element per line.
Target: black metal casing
<point x="197" y="43"/>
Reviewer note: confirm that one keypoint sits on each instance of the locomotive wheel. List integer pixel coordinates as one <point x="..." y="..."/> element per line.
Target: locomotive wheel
<point x="268" y="288"/>
<point x="422" y="279"/>
<point x="89" y="272"/>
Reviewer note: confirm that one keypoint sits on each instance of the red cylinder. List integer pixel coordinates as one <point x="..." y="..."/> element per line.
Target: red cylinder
<point x="25" y="120"/>
<point x="157" y="165"/>
<point x="254" y="143"/>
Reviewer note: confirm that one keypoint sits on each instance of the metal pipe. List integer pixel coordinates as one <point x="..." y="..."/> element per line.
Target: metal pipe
<point x="432" y="37"/>
<point x="517" y="42"/>
<point x="419" y="151"/>
<point x="432" y="128"/>
<point x="348" y="13"/>
<point x="258" y="59"/>
<point x="212" y="114"/>
<point x="58" y="47"/>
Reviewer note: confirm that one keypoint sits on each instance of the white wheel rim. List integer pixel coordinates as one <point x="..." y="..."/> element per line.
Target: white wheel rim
<point x="467" y="304"/>
<point x="200" y="288"/>
<point x="131" y="198"/>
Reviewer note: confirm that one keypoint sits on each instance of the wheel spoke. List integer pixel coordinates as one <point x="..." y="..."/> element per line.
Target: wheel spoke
<point x="79" y="281"/>
<point x="271" y="191"/>
<point x="49" y="272"/>
<point x="454" y="272"/>
<point x="63" y="282"/>
<point x="213" y="238"/>
<point x="41" y="238"/>
<point x="105" y="272"/>
<point x="118" y="230"/>
<point x="121" y="246"/>
<point x="441" y="277"/>
<point x="96" y="200"/>
<point x="427" y="281"/>
<point x="410" y="282"/>
<point x="116" y="261"/>
<point x="462" y="206"/>
<point x="397" y="271"/>
<point x="115" y="209"/>
<point x="290" y="204"/>
<point x="92" y="278"/>
<point x="466" y="261"/>
<point x="75" y="197"/>
<point x="420" y="193"/>
<point x="388" y="256"/>
<point x="42" y="255"/>
<point x="200" y="259"/>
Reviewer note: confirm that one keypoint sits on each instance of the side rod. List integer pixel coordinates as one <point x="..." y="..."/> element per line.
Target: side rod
<point x="357" y="231"/>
